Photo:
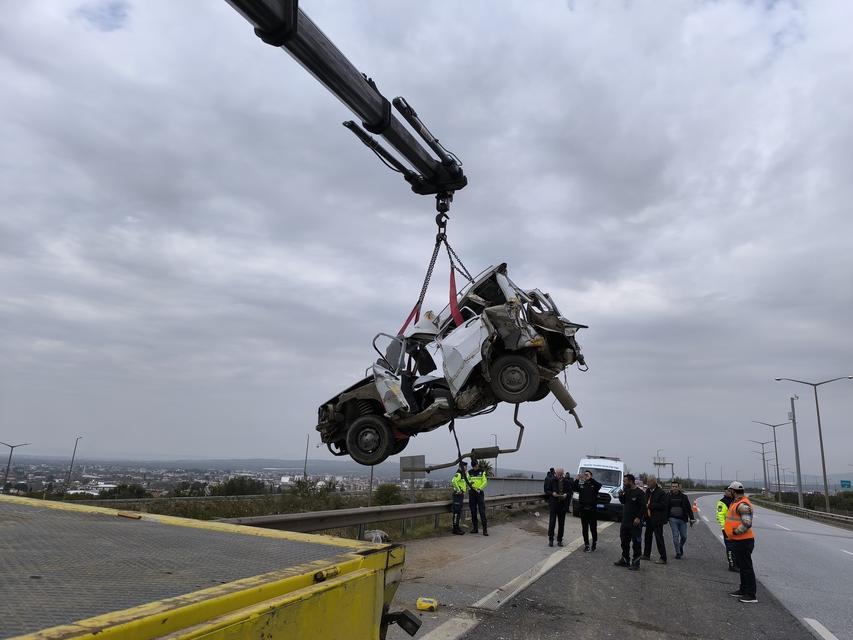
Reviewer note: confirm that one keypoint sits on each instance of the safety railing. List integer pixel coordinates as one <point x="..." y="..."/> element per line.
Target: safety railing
<point x="339" y="518"/>
<point x="812" y="514"/>
<point x="109" y="502"/>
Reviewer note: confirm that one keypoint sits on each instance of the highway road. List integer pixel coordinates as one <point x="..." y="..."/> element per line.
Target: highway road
<point x="807" y="565"/>
<point x="512" y="586"/>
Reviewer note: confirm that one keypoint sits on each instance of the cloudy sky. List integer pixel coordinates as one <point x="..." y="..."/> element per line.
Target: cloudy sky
<point x="194" y="253"/>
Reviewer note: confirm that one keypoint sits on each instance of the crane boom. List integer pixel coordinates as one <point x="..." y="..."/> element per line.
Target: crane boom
<point x="281" y="23"/>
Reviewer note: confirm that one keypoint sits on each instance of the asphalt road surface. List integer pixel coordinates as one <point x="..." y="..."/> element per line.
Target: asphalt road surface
<point x="512" y="586"/>
<point x="586" y="597"/>
<point x="807" y="565"/>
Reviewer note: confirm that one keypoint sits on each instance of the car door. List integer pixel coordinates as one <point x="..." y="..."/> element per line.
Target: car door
<point x="461" y="352"/>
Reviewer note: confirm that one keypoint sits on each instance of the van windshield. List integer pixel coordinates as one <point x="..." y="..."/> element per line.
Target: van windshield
<point x="607" y="477"/>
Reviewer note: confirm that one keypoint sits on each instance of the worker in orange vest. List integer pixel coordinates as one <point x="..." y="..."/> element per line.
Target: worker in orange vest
<point x="738" y="530"/>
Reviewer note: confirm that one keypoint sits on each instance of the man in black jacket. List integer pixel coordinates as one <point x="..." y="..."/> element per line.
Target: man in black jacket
<point x="632" y="518"/>
<point x="587" y="489"/>
<point x="548" y="477"/>
<point x="679" y="512"/>
<point x="655" y="517"/>
<point x="559" y="491"/>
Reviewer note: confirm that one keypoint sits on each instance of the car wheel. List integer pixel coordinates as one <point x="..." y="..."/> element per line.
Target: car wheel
<point x="514" y="378"/>
<point x="399" y="445"/>
<point x="541" y="392"/>
<point x="369" y="440"/>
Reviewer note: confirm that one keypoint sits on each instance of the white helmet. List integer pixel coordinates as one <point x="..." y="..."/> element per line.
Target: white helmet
<point x="736" y="486"/>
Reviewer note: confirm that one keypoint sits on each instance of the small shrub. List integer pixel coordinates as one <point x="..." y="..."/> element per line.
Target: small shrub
<point x="388" y="494"/>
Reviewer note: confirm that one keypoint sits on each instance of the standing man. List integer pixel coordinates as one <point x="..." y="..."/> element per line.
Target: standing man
<point x="459" y="484"/>
<point x="655" y="517"/>
<point x="722" y="509"/>
<point x="559" y="492"/>
<point x="678" y="513"/>
<point x="633" y="499"/>
<point x="548" y="477"/>
<point x="587" y="489"/>
<point x="476" y="496"/>
<point x="738" y="529"/>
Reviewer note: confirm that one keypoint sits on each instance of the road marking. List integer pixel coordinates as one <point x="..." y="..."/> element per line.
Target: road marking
<point x="452" y="629"/>
<point x="849" y="553"/>
<point x="502" y="595"/>
<point x="457" y="627"/>
<point x="705" y="518"/>
<point x="781" y="527"/>
<point x="820" y="630"/>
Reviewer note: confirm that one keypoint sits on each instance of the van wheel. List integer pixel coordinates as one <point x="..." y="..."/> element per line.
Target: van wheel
<point x="369" y="439"/>
<point x="514" y="378"/>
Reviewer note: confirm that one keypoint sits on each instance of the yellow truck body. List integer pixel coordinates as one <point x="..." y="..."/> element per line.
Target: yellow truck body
<point x="81" y="572"/>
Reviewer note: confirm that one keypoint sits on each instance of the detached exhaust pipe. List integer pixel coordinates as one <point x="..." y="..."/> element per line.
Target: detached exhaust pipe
<point x="565" y="398"/>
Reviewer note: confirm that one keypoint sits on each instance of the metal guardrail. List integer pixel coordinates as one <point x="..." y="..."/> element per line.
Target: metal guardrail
<point x="811" y="514"/>
<point x="190" y="499"/>
<point x="338" y="518"/>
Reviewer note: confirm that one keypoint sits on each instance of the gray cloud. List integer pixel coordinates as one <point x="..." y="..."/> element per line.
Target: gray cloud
<point x="194" y="253"/>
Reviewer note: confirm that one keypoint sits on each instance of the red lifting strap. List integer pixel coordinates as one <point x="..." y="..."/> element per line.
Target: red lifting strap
<point x="454" y="307"/>
<point x="413" y="315"/>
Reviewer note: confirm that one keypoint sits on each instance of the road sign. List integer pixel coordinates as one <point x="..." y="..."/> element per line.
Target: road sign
<point x="408" y="463"/>
<point x="845" y="484"/>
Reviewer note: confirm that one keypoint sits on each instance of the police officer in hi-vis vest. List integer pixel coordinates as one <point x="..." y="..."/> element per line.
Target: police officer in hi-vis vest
<point x="460" y="484"/>
<point x="477" y="482"/>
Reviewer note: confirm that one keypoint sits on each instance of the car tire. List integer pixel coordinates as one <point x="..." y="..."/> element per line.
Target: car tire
<point x="399" y="445"/>
<point x="514" y="378"/>
<point x="369" y="440"/>
<point x="541" y="392"/>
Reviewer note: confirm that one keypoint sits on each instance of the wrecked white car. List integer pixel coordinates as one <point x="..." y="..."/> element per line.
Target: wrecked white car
<point x="510" y="346"/>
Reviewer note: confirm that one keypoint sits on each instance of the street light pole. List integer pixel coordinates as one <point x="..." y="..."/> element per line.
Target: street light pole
<point x="797" y="453"/>
<point x="815" y="385"/>
<point x="12" y="448"/>
<point x="688" y="467"/>
<point x="495" y="470"/>
<point x="706" y="474"/>
<point x="71" y="466"/>
<point x="305" y="468"/>
<point x="776" y="450"/>
<point x="763" y="463"/>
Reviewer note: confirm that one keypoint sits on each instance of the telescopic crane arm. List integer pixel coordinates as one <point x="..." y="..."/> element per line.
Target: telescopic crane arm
<point x="281" y="23"/>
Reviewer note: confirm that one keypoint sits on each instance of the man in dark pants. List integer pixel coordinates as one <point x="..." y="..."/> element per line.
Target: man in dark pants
<point x="559" y="492"/>
<point x="657" y="508"/>
<point x="633" y="499"/>
<point x="738" y="530"/>
<point x="587" y="489"/>
<point x="476" y="496"/>
<point x="459" y="484"/>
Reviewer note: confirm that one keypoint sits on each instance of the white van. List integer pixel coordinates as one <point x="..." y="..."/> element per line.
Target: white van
<point x="608" y="471"/>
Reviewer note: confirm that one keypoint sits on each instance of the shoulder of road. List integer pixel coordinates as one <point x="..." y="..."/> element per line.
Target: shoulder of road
<point x="511" y="585"/>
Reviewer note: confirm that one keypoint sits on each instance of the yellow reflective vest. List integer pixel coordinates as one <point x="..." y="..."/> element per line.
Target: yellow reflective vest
<point x="458" y="483"/>
<point x="478" y="481"/>
<point x="722" y="510"/>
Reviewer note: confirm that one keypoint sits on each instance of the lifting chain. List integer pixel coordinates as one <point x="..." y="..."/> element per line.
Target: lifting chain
<point x="456" y="264"/>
